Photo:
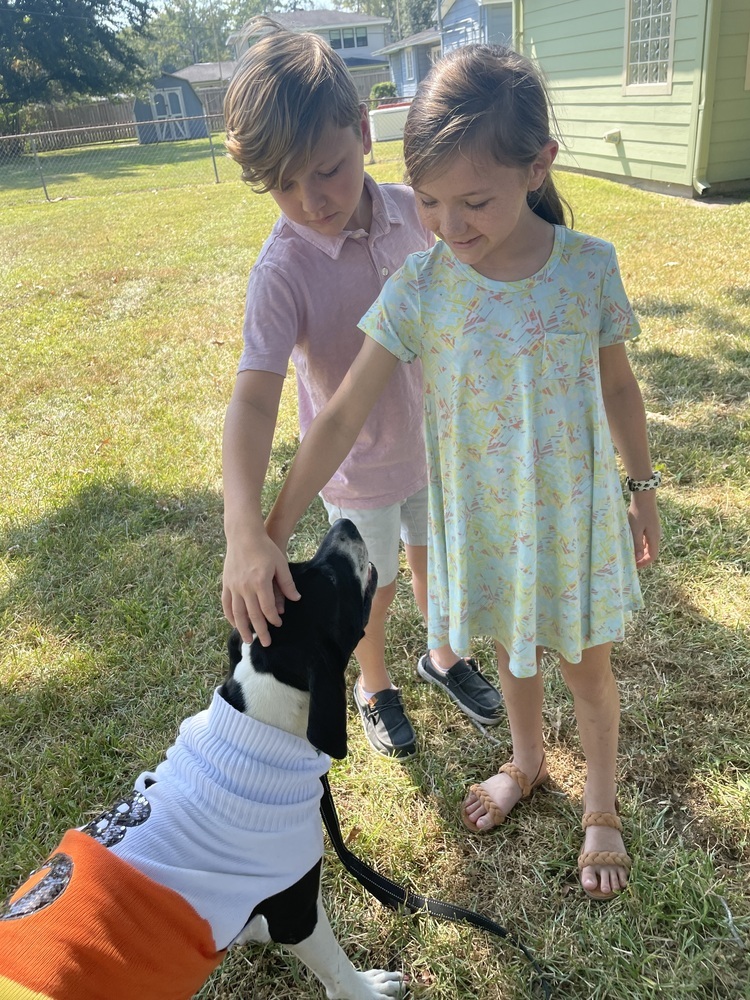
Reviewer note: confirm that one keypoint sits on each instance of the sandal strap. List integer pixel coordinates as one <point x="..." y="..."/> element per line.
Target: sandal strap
<point x="490" y="806"/>
<point x="522" y="780"/>
<point x="606" y="858"/>
<point x="518" y="776"/>
<point x="601" y="819"/>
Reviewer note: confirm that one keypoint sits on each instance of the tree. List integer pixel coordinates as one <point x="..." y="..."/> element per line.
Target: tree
<point x="416" y="15"/>
<point x="377" y="8"/>
<point x="190" y="31"/>
<point x="55" y="48"/>
<point x="407" y="16"/>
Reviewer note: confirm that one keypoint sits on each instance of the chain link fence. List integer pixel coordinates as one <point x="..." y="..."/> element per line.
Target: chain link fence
<point x="134" y="156"/>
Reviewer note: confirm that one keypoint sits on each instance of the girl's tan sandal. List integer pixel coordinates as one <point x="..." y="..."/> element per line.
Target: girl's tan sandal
<point x="610" y="859"/>
<point x="492" y="809"/>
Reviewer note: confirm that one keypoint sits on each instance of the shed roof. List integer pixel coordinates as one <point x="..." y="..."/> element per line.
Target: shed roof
<point x="206" y="72"/>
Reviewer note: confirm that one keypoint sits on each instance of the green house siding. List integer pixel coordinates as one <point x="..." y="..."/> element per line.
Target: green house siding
<point x="580" y="45"/>
<point x="729" y="150"/>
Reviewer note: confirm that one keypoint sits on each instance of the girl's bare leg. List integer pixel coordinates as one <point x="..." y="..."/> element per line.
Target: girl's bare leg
<point x="523" y="703"/>
<point x="597" y="708"/>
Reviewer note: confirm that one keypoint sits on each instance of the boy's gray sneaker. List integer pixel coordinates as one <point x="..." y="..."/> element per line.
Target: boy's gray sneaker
<point x="468" y="687"/>
<point x="385" y="722"/>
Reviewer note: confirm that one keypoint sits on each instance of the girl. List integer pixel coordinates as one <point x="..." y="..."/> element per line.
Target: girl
<point x="520" y="324"/>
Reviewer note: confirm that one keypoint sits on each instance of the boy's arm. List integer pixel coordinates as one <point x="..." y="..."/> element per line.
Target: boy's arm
<point x="330" y="437"/>
<point x="627" y="423"/>
<point x="253" y="563"/>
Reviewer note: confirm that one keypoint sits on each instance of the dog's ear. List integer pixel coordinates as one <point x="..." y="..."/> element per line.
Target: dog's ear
<point x="234" y="646"/>
<point x="326" y="723"/>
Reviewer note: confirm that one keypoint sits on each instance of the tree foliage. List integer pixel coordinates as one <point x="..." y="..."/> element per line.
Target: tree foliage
<point x="407" y="16"/>
<point x="55" y="48"/>
<point x="416" y="15"/>
<point x="184" y="32"/>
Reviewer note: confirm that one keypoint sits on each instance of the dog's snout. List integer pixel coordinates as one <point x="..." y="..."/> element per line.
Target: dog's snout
<point x="345" y="537"/>
<point x="347" y="529"/>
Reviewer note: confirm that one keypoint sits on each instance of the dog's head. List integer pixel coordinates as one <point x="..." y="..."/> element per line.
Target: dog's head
<point x="311" y="649"/>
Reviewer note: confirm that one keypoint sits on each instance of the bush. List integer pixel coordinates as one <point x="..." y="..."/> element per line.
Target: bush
<point x="383" y="93"/>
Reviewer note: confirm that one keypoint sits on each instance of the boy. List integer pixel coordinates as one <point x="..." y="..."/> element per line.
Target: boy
<point x="296" y="127"/>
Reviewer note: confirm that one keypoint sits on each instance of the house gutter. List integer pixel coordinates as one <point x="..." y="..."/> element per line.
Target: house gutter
<point x="706" y="97"/>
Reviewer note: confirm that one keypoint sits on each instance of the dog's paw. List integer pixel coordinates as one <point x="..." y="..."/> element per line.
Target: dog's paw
<point x="379" y="983"/>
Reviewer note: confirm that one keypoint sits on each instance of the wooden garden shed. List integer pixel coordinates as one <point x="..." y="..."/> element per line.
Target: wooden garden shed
<point x="172" y="111"/>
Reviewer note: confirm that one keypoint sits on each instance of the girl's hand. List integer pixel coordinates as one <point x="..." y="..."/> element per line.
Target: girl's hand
<point x="256" y="583"/>
<point x="645" y="526"/>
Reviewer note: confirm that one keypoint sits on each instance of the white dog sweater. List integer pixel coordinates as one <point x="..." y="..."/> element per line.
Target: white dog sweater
<point x="146" y="897"/>
<point x="234" y="816"/>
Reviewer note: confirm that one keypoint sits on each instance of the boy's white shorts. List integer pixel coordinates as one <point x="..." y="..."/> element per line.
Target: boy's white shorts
<point x="382" y="527"/>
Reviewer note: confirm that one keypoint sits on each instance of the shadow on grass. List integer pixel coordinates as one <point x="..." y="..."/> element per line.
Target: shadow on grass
<point x="723" y="376"/>
<point x="113" y="632"/>
<point x="105" y="162"/>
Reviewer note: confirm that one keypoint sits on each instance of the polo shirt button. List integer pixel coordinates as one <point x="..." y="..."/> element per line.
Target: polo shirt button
<point x="384" y="272"/>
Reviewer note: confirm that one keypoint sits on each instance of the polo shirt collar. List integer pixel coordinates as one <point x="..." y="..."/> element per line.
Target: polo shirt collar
<point x="385" y="213"/>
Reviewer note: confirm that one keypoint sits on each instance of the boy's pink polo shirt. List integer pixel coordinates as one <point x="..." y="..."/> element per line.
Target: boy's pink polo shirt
<point x="305" y="298"/>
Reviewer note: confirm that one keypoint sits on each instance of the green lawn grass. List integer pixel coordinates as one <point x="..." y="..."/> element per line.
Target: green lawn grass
<point x="119" y="337"/>
<point x="124" y="166"/>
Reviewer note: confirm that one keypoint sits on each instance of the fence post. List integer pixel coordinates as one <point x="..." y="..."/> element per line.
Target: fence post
<point x="372" y="144"/>
<point x="211" y="144"/>
<point x="39" y="168"/>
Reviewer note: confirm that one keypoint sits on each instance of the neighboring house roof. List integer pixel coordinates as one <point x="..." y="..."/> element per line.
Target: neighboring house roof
<point x="360" y="62"/>
<point x="170" y="76"/>
<point x="316" y="20"/>
<point x="429" y="37"/>
<point x="206" y="72"/>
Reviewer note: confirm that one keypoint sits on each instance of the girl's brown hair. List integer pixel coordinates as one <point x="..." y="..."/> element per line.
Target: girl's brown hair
<point x="482" y="100"/>
<point x="288" y="88"/>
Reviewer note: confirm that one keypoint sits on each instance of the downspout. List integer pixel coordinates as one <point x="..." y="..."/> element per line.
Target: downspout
<point x="518" y="25"/>
<point x="705" y="108"/>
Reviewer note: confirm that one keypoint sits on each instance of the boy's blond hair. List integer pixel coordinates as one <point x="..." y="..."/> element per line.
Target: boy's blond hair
<point x="288" y="88"/>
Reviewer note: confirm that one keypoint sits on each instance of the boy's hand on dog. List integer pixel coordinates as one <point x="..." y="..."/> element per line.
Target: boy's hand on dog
<point x="256" y="583"/>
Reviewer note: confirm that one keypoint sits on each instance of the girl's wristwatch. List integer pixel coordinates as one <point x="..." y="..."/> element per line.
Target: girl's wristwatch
<point x="639" y="485"/>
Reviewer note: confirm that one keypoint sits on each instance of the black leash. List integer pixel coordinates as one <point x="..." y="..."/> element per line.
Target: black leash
<point x="393" y="895"/>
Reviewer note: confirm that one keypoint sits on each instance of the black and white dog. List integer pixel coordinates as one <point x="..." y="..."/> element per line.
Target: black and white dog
<point x="221" y="844"/>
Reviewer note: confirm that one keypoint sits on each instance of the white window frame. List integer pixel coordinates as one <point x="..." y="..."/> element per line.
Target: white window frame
<point x="409" y="64"/>
<point x="641" y="17"/>
<point x="361" y="34"/>
<point x="334" y="38"/>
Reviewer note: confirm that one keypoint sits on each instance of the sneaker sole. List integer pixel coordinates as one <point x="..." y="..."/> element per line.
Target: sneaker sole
<point x="494" y="721"/>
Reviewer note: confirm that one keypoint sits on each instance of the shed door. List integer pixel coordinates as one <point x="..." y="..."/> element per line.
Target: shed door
<point x="168" y="109"/>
